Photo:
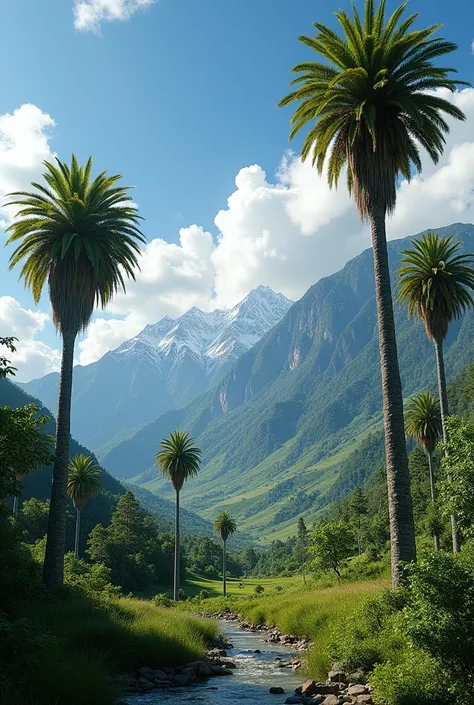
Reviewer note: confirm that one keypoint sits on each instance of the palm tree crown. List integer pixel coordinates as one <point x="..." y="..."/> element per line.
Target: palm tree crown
<point x="84" y="479"/>
<point x="423" y="421"/>
<point x="225" y="525"/>
<point x="80" y="235"/>
<point x="374" y="102"/>
<point x="435" y="282"/>
<point x="179" y="458"/>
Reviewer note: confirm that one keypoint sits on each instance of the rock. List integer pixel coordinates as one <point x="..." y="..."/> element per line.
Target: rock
<point x="294" y="700"/>
<point x="364" y="700"/>
<point x="337" y="677"/>
<point x="357" y="677"/>
<point x="357" y="690"/>
<point x="221" y="671"/>
<point x="190" y="673"/>
<point x="308" y="688"/>
<point x="276" y="690"/>
<point x="180" y="680"/>
<point x="257" y="651"/>
<point x="315" y="688"/>
<point x="163" y="684"/>
<point x="228" y="664"/>
<point x="145" y="684"/>
<point x="331" y="700"/>
<point x="200" y="668"/>
<point x="169" y="671"/>
<point x="160" y="675"/>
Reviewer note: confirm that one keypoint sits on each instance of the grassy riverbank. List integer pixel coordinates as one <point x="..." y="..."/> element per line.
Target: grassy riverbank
<point x="76" y="643"/>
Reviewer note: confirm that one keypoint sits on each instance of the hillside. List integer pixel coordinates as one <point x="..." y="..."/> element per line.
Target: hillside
<point x="280" y="427"/>
<point x="98" y="509"/>
<point x="164" y="367"/>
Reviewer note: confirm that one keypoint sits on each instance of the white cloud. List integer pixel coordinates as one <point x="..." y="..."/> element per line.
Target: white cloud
<point x="89" y="14"/>
<point x="285" y="232"/>
<point x="24" y="145"/>
<point x="33" y="358"/>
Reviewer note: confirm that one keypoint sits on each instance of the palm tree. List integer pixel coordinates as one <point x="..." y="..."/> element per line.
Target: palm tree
<point x="225" y="526"/>
<point x="82" y="237"/>
<point x="369" y="107"/>
<point x="423" y="423"/>
<point x="179" y="459"/>
<point x="84" y="481"/>
<point x="435" y="282"/>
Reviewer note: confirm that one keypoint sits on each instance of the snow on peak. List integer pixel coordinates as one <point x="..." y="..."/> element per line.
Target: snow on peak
<point x="209" y="339"/>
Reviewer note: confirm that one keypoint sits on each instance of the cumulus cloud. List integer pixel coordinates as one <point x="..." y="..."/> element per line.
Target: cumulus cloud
<point x="33" y="358"/>
<point x="24" y="144"/>
<point x="89" y="14"/>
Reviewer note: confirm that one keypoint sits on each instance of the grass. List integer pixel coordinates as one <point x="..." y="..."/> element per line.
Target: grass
<point x="94" y="639"/>
<point x="236" y="587"/>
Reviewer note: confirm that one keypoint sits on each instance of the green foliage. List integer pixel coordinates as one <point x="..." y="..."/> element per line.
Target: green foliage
<point x="33" y="518"/>
<point x="161" y="599"/>
<point x="131" y="547"/>
<point x="94" y="579"/>
<point x="301" y="545"/>
<point x="6" y="368"/>
<point x="456" y="487"/>
<point x="279" y="558"/>
<point x="79" y="234"/>
<point x="423" y="421"/>
<point x="178" y="458"/>
<point x="84" y="479"/>
<point x="225" y="525"/>
<point x="415" y="680"/>
<point x="434" y="281"/>
<point x="364" y="94"/>
<point x="331" y="544"/>
<point x="259" y="590"/>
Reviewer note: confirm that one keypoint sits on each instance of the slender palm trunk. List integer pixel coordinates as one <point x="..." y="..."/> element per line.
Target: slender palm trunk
<point x="15" y="509"/>
<point x="224" y="569"/>
<point x="78" y="529"/>
<point x="432" y="488"/>
<point x="53" y="569"/>
<point x="304" y="572"/>
<point x="176" y="551"/>
<point x="443" y="402"/>
<point x="402" y="529"/>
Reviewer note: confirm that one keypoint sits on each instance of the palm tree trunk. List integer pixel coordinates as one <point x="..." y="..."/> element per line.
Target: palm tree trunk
<point x="443" y="402"/>
<point x="78" y="528"/>
<point x="176" y="551"/>
<point x="432" y="487"/>
<point x="224" y="569"/>
<point x="53" y="569"/>
<point x="402" y="529"/>
<point x="15" y="509"/>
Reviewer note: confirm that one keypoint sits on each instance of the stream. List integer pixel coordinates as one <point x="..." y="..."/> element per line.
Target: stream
<point x="255" y="673"/>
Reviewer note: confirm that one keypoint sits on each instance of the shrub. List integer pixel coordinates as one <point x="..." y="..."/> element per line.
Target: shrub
<point x="416" y="680"/>
<point x="162" y="600"/>
<point x="259" y="590"/>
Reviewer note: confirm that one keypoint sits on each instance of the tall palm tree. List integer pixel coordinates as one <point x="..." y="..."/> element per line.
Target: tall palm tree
<point x="369" y="107"/>
<point x="84" y="481"/>
<point x="179" y="459"/>
<point x="80" y="235"/>
<point x="423" y="423"/>
<point x="225" y="526"/>
<point x="435" y="282"/>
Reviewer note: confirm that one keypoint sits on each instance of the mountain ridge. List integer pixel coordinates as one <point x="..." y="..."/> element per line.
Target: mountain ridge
<point x="305" y="395"/>
<point x="163" y="367"/>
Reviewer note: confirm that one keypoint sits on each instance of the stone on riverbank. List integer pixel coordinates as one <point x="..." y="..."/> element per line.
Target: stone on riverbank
<point x="277" y="690"/>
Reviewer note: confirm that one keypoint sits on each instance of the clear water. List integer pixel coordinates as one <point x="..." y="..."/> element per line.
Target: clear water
<point x="250" y="682"/>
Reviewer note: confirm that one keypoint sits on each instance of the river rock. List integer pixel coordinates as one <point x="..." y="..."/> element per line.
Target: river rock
<point x="160" y="675"/>
<point x="228" y="664"/>
<point x="331" y="700"/>
<point x="364" y="699"/>
<point x="180" y="680"/>
<point x="315" y="688"/>
<point x="200" y="668"/>
<point x="294" y="700"/>
<point x="169" y="671"/>
<point x="277" y="690"/>
<point x="357" y="690"/>
<point x="190" y="673"/>
<point x="145" y="684"/>
<point x="337" y="677"/>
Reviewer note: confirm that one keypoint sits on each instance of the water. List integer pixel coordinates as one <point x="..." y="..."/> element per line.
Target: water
<point x="250" y="682"/>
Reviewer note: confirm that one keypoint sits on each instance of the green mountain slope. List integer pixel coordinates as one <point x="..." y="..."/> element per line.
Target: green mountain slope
<point x="98" y="509"/>
<point x="279" y="430"/>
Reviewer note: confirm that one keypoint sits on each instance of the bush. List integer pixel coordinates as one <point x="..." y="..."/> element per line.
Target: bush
<point x="259" y="590"/>
<point x="162" y="600"/>
<point x="416" y="680"/>
<point x="94" y="579"/>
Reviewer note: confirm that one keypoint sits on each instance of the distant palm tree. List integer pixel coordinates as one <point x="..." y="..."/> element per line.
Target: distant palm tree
<point x="179" y="459"/>
<point x="369" y="106"/>
<point x="84" y="481"/>
<point x="423" y="423"/>
<point x="81" y="236"/>
<point x="225" y="526"/>
<point x="435" y="282"/>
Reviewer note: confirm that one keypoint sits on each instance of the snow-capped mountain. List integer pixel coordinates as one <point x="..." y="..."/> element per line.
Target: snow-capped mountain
<point x="162" y="368"/>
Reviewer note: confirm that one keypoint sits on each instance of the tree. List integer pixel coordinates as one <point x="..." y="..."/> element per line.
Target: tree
<point x="331" y="544"/>
<point x="24" y="446"/>
<point x="301" y="547"/>
<point x="423" y="423"/>
<point x="225" y="526"/>
<point x="369" y="110"/>
<point x="178" y="459"/>
<point x="456" y="487"/>
<point x="81" y="236"/>
<point x="357" y="510"/>
<point x="84" y="481"/>
<point x="435" y="280"/>
<point x="5" y="366"/>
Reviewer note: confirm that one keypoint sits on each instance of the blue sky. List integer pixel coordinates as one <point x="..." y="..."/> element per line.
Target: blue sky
<point x="179" y="98"/>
